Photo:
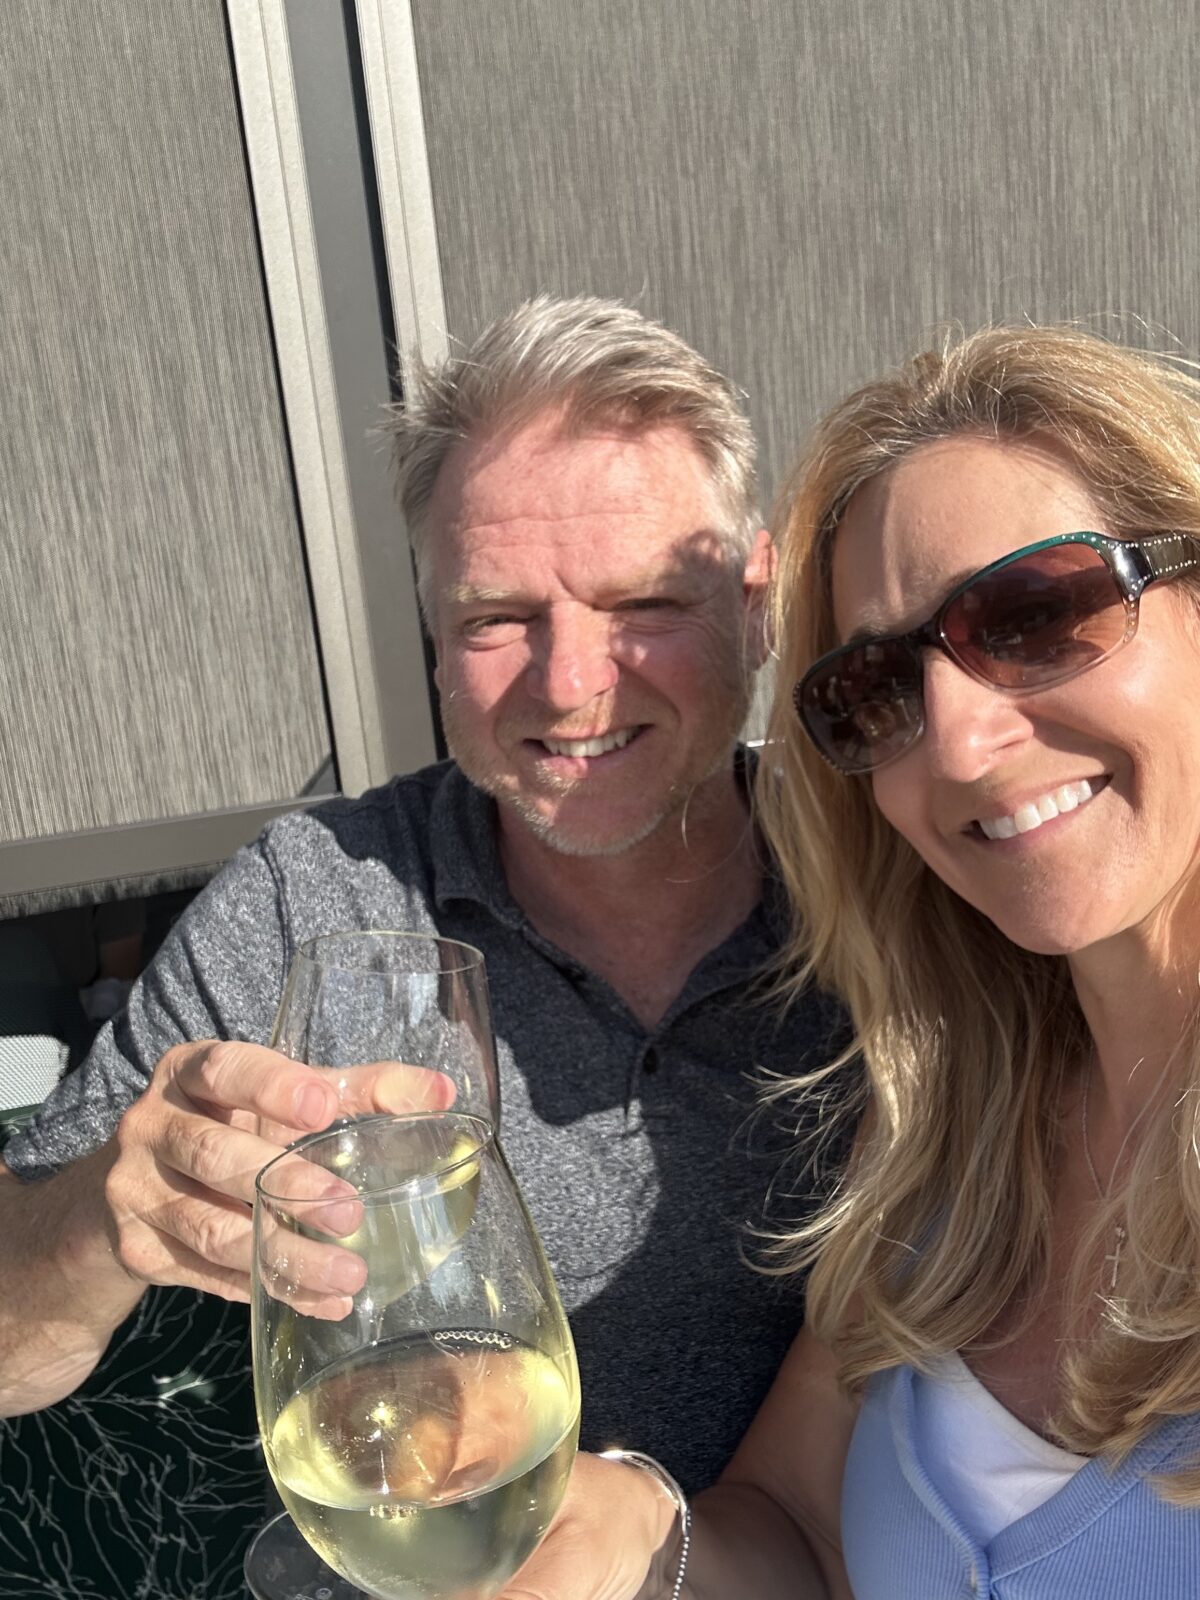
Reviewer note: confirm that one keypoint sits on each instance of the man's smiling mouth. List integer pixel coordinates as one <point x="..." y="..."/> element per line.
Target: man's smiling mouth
<point x="597" y="745"/>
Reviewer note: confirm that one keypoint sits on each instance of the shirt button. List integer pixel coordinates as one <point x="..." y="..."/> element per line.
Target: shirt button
<point x="650" y="1060"/>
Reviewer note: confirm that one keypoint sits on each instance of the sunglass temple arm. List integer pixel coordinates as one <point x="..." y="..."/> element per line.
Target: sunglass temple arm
<point x="1165" y="555"/>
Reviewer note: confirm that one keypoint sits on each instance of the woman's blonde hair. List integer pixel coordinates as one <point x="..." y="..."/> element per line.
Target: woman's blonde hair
<point x="944" y="1219"/>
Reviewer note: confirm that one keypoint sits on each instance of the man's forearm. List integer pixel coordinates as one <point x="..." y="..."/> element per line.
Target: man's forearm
<point x="64" y="1289"/>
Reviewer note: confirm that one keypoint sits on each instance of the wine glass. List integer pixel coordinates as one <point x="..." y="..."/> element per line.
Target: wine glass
<point x="421" y="1439"/>
<point x="356" y="1001"/>
<point x="360" y="1004"/>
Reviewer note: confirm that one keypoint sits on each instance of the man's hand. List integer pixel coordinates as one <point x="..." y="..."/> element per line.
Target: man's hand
<point x="612" y="1522"/>
<point x="185" y="1155"/>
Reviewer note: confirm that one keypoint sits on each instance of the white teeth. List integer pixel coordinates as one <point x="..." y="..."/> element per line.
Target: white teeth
<point x="590" y="747"/>
<point x="1027" y="818"/>
<point x="1033" y="813"/>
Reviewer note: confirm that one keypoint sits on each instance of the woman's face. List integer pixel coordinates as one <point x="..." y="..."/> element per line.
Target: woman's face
<point x="1128" y="729"/>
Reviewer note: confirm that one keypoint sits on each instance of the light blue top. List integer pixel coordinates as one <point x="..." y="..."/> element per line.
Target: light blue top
<point x="1106" y="1535"/>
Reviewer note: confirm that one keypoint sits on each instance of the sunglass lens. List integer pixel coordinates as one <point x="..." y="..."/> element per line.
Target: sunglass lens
<point x="1044" y="617"/>
<point x="863" y="706"/>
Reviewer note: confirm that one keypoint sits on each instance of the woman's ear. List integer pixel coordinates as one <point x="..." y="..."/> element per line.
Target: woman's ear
<point x="756" y="583"/>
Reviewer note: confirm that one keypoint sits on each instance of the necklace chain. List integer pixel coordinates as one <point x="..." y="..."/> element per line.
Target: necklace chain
<point x="1102" y="1194"/>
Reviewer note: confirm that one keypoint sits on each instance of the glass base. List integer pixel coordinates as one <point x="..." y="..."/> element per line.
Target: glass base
<point x="282" y="1565"/>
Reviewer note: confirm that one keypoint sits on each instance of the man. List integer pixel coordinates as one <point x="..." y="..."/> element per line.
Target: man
<point x="580" y="490"/>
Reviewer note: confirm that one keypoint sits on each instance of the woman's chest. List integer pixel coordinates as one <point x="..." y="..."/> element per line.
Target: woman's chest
<point x="1020" y="1358"/>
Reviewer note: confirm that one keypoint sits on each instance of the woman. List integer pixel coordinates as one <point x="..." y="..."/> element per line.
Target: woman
<point x="988" y="819"/>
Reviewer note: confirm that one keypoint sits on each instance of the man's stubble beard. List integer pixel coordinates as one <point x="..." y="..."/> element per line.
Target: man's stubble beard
<point x="547" y="832"/>
<point x="564" y="840"/>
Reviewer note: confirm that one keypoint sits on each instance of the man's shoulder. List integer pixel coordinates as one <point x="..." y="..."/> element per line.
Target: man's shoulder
<point x="392" y="823"/>
<point x="391" y="853"/>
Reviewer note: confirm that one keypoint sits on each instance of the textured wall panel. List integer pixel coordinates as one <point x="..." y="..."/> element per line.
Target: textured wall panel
<point x="156" y="650"/>
<point x="807" y="188"/>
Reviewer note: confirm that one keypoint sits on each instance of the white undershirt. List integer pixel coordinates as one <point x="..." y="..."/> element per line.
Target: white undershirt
<point x="987" y="1465"/>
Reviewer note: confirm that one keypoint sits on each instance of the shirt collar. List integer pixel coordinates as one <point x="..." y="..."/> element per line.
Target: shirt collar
<point x="465" y="848"/>
<point x="466" y="854"/>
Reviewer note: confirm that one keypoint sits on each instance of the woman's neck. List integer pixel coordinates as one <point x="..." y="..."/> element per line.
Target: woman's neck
<point x="1138" y="998"/>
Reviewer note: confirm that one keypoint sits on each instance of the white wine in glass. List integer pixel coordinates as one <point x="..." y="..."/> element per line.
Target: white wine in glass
<point x="421" y="1442"/>
<point x="358" y="1001"/>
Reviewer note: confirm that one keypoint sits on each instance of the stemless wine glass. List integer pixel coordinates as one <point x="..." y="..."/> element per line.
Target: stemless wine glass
<point x="354" y="1001"/>
<point x="422" y="1439"/>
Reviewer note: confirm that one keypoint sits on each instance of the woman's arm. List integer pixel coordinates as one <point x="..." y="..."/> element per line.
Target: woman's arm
<point x="771" y="1525"/>
<point x="769" y="1529"/>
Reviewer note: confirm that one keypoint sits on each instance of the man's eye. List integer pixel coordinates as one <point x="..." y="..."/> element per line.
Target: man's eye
<point x="650" y="602"/>
<point x="475" y="625"/>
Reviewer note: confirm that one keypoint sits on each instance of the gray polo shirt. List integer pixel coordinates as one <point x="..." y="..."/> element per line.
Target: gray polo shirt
<point x="636" y="1148"/>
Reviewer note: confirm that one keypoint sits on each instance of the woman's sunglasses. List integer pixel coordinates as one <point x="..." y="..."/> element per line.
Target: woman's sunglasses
<point x="1039" y="616"/>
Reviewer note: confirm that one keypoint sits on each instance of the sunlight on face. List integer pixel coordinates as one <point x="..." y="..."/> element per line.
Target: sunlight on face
<point x="1128" y="728"/>
<point x="590" y="629"/>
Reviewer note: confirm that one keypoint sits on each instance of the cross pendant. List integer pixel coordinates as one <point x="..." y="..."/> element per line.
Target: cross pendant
<point x="1115" y="1256"/>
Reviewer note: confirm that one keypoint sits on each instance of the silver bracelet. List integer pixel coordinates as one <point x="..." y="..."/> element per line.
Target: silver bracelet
<point x="637" y="1458"/>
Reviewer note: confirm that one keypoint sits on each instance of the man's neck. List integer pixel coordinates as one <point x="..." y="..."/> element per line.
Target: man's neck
<point x="644" y="918"/>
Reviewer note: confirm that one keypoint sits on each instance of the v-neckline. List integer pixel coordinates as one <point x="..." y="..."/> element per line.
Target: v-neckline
<point x="1061" y="1518"/>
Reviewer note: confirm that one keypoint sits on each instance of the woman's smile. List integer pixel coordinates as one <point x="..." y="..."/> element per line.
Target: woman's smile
<point x="1017" y="818"/>
<point x="1064" y="814"/>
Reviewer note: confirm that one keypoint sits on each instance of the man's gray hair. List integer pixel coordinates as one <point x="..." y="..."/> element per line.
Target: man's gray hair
<point x="597" y="361"/>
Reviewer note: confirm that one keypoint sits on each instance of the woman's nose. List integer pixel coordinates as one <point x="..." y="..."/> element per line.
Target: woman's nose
<point x="573" y="662"/>
<point x="968" y="724"/>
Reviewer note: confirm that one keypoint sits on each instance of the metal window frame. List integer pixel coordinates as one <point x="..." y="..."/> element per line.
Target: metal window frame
<point x="94" y="860"/>
<point x="375" y="728"/>
<point x="387" y="40"/>
<point x="367" y="620"/>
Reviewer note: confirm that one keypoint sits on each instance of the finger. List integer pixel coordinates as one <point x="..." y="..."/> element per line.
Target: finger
<point x="571" y="1564"/>
<point x="214" y="1155"/>
<point x="208" y="1226"/>
<point x="326" y="1307"/>
<point x="311" y="1196"/>
<point x="153" y="1255"/>
<point x="169" y="1261"/>
<point x="392" y="1086"/>
<point x="550" y="1573"/>
<point x="250" y="1078"/>
<point x="293" y="1268"/>
<point x="220" y="1234"/>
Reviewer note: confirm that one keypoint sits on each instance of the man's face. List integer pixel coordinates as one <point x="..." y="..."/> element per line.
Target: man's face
<point x="589" y="628"/>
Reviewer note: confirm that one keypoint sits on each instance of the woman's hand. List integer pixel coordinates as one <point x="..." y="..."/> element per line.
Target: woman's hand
<point x="611" y="1523"/>
<point x="768" y="1529"/>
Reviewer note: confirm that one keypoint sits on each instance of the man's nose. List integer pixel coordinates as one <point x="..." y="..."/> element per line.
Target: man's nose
<point x="968" y="724"/>
<point x="573" y="661"/>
